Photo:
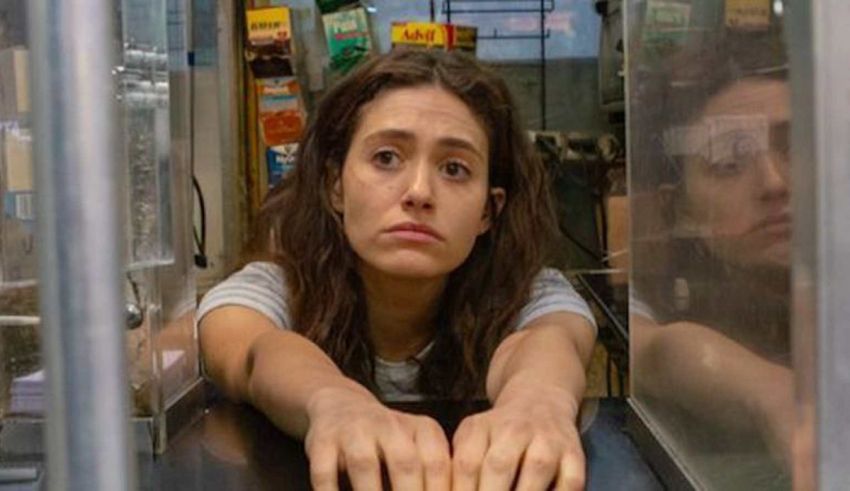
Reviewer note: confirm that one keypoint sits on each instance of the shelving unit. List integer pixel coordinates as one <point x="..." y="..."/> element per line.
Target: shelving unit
<point x="539" y="7"/>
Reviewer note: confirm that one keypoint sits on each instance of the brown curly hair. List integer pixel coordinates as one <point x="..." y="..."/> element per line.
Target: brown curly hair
<point x="298" y="229"/>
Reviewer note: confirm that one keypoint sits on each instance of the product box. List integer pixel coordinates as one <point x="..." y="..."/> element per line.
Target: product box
<point x="666" y="23"/>
<point x="270" y="26"/>
<point x="348" y="38"/>
<point x="14" y="83"/>
<point x="434" y="35"/>
<point x="270" y="47"/>
<point x="16" y="160"/>
<point x="328" y="6"/>
<point x="280" y="160"/>
<point x="751" y="15"/>
<point x="281" y="111"/>
<point x="617" y="210"/>
<point x="17" y="251"/>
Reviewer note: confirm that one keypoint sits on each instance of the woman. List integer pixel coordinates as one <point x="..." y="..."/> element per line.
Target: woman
<point x="403" y="259"/>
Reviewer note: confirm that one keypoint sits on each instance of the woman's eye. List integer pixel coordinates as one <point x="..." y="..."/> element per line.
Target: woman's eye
<point x="455" y="170"/>
<point x="728" y="167"/>
<point x="386" y="158"/>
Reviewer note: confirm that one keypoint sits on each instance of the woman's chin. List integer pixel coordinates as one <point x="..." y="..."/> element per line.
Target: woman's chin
<point x="413" y="267"/>
<point x="414" y="272"/>
<point x="777" y="255"/>
<point x="774" y="261"/>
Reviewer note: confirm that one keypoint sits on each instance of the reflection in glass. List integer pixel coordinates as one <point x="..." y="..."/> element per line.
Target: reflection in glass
<point x="710" y="313"/>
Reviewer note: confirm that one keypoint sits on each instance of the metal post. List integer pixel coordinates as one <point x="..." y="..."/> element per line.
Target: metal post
<point x="543" y="65"/>
<point x="80" y="258"/>
<point x="819" y="44"/>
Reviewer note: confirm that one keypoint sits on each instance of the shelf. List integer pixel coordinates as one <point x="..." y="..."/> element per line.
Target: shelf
<point x="544" y="6"/>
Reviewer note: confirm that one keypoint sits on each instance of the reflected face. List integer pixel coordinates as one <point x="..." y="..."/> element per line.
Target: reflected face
<point x="414" y="187"/>
<point x="736" y="193"/>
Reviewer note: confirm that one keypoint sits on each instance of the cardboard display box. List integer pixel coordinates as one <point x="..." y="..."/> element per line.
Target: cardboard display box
<point x="14" y="83"/>
<point x="434" y="35"/>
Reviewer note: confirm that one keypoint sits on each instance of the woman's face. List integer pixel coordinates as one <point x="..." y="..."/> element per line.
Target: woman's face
<point x="414" y="186"/>
<point x="736" y="182"/>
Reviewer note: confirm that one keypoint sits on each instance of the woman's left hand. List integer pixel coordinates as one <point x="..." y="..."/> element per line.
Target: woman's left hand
<point x="528" y="438"/>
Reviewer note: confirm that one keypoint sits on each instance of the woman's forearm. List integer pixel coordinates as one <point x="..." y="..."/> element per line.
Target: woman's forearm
<point x="277" y="371"/>
<point x="552" y="353"/>
<point x="288" y="377"/>
<point x="709" y="374"/>
<point x="529" y="437"/>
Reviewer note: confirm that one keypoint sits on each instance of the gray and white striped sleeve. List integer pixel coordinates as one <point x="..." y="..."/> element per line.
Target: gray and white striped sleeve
<point x="551" y="292"/>
<point x="639" y="307"/>
<point x="259" y="286"/>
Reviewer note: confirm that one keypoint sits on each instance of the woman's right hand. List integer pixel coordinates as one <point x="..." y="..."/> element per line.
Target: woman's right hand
<point x="351" y="431"/>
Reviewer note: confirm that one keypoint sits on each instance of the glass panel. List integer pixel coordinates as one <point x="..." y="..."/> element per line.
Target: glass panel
<point x="152" y="83"/>
<point x="162" y="351"/>
<point x="709" y="122"/>
<point x="19" y="346"/>
<point x="143" y="89"/>
<point x="508" y="30"/>
<point x="17" y="252"/>
<point x="562" y="95"/>
<point x="818" y="39"/>
<point x="176" y="342"/>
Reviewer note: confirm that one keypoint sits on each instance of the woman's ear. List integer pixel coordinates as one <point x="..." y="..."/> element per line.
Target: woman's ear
<point x="335" y="189"/>
<point x="494" y="205"/>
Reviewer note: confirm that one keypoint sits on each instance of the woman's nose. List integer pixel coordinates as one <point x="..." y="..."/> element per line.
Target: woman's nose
<point x="774" y="177"/>
<point x="419" y="193"/>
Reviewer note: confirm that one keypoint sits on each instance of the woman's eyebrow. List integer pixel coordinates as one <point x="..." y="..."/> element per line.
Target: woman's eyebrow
<point x="461" y="144"/>
<point x="389" y="134"/>
<point x="408" y="136"/>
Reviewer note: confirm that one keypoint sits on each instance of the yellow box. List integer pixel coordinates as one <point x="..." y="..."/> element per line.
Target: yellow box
<point x="748" y="14"/>
<point x="434" y="35"/>
<point x="269" y="26"/>
<point x="16" y="158"/>
<point x="14" y="82"/>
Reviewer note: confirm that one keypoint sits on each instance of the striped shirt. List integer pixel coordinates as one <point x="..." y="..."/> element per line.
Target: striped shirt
<point x="261" y="286"/>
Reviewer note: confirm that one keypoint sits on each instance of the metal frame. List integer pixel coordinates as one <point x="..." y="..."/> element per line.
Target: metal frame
<point x="80" y="254"/>
<point x="543" y="7"/>
<point x="660" y="457"/>
<point x="820" y="79"/>
<point x="232" y="131"/>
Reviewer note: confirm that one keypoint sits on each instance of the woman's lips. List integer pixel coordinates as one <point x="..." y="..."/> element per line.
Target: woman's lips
<point x="776" y="225"/>
<point x="414" y="232"/>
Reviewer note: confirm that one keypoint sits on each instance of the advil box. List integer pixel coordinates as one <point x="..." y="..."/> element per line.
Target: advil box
<point x="434" y="35"/>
